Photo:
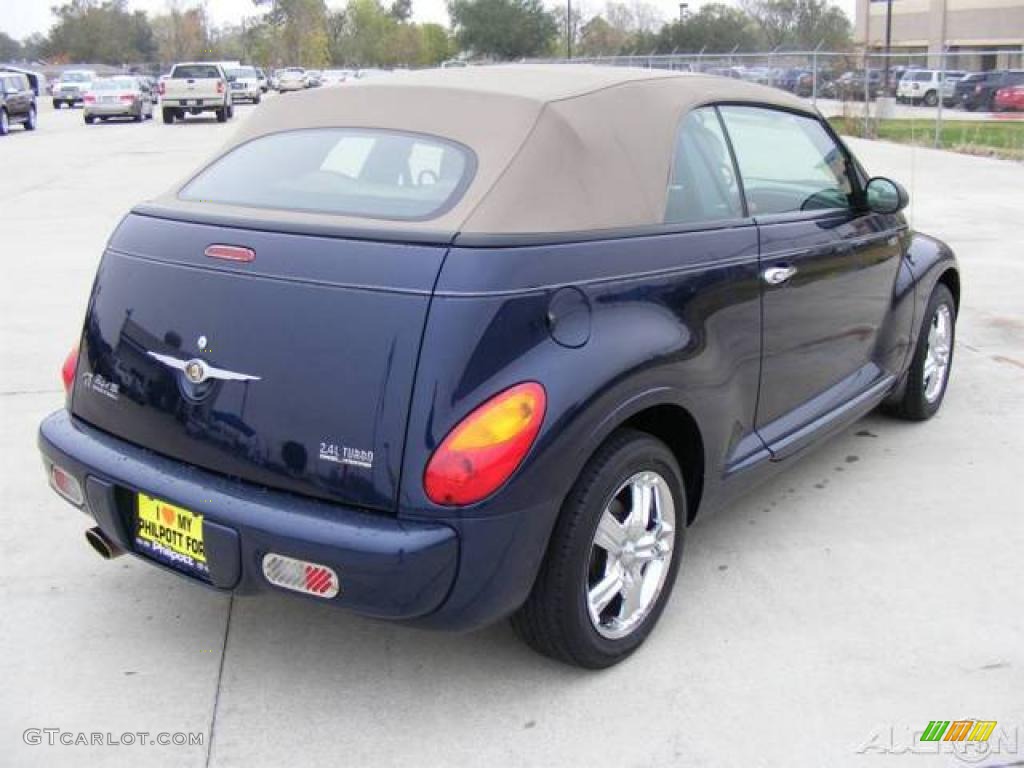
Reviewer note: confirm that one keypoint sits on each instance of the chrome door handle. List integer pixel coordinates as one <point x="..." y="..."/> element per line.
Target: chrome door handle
<point x="778" y="275"/>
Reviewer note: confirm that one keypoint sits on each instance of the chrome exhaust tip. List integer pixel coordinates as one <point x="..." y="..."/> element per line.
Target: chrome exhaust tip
<point x="104" y="547"/>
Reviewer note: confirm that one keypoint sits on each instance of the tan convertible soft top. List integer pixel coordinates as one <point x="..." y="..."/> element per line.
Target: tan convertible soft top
<point x="560" y="148"/>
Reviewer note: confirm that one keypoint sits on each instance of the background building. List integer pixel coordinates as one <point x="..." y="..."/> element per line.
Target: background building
<point x="920" y="26"/>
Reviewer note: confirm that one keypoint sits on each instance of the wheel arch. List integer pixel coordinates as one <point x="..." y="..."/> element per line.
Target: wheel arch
<point x="677" y="428"/>
<point x="951" y="279"/>
<point x="661" y="414"/>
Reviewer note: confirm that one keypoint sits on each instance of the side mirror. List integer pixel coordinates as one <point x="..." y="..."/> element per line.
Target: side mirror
<point x="886" y="196"/>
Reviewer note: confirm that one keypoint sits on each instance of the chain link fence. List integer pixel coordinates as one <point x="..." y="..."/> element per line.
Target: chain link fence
<point x="943" y="99"/>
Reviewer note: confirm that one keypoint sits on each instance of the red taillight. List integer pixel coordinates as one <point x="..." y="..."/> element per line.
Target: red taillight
<point x="89" y="99"/>
<point x="230" y="252"/>
<point x="486" y="447"/>
<point x="64" y="483"/>
<point x="127" y="98"/>
<point x="67" y="371"/>
<point x="160" y="87"/>
<point x="220" y="86"/>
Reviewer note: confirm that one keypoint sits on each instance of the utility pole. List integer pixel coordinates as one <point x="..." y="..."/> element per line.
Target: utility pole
<point x="888" y="45"/>
<point x="568" y="29"/>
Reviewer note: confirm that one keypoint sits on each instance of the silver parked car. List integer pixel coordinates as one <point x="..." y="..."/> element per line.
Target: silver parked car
<point x="291" y="79"/>
<point x="118" y="97"/>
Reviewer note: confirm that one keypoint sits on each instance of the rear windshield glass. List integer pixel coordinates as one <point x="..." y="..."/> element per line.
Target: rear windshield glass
<point x="195" y="72"/>
<point x="371" y="173"/>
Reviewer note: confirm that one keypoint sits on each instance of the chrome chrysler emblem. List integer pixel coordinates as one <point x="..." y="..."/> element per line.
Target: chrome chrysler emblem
<point x="196" y="371"/>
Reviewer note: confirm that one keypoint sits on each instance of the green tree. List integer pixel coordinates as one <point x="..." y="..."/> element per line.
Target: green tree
<point x="503" y="29"/>
<point x="620" y="29"/>
<point x="32" y="47"/>
<point x="800" y="23"/>
<point x="363" y="34"/>
<point x="10" y="49"/>
<point x="715" y="28"/>
<point x="437" y="44"/>
<point x="599" y="38"/>
<point x="102" y="32"/>
<point x="182" y="35"/>
<point x="301" y="31"/>
<point x="401" y="10"/>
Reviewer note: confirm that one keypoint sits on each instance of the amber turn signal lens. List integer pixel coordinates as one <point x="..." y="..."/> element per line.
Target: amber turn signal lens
<point x="486" y="447"/>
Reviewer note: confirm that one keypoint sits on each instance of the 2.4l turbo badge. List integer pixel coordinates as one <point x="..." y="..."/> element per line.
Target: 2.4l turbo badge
<point x="342" y="454"/>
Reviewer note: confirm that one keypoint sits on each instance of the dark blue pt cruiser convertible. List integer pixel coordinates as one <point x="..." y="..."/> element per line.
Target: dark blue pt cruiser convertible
<point x="445" y="347"/>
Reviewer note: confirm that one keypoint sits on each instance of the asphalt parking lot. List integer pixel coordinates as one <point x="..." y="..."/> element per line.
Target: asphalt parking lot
<point x="835" y="108"/>
<point x="820" y="622"/>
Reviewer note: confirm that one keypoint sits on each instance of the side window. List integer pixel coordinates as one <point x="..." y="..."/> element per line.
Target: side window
<point x="788" y="162"/>
<point x="702" y="185"/>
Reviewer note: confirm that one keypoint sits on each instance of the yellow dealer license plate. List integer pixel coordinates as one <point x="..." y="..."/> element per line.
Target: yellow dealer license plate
<point x="173" y="535"/>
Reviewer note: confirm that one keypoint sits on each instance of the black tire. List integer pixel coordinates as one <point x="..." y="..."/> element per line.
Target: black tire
<point x="32" y="120"/>
<point x="257" y="100"/>
<point x="915" y="405"/>
<point x="89" y="119"/>
<point x="931" y="99"/>
<point x="5" y="122"/>
<point x="222" y="115"/>
<point x="56" y="104"/>
<point x="555" y="619"/>
<point x="168" y="115"/>
<point x="230" y="111"/>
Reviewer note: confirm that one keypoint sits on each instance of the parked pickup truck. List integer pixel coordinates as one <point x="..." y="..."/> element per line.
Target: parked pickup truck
<point x="193" y="88"/>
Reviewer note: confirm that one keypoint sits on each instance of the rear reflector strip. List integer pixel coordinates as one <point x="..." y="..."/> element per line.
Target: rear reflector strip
<point x="66" y="485"/>
<point x="230" y="252"/>
<point x="300" y="576"/>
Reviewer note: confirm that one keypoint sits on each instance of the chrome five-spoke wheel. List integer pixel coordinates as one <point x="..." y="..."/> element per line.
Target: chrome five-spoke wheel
<point x="613" y="555"/>
<point x="940" y="345"/>
<point x="630" y="555"/>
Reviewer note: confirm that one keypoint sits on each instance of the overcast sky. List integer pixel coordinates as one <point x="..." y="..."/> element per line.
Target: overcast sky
<point x="20" y="18"/>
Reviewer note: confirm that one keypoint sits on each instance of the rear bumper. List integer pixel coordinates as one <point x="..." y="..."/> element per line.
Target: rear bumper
<point x="388" y="568"/>
<point x="114" y="110"/>
<point x="193" y="103"/>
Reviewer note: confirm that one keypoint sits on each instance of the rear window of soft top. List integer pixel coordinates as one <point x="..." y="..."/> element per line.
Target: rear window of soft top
<point x="368" y="173"/>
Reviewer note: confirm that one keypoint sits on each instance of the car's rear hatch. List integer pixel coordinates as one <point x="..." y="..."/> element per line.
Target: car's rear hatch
<point x="306" y="354"/>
